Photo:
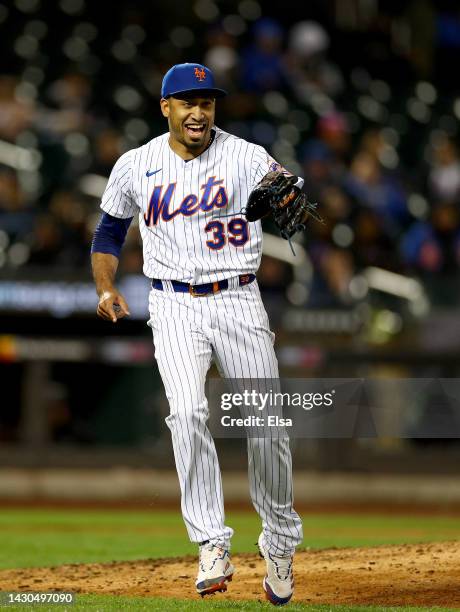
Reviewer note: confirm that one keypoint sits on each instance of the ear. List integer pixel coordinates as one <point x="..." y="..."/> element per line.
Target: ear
<point x="164" y="105"/>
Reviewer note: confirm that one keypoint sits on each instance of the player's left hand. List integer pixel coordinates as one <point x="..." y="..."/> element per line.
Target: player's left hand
<point x="112" y="306"/>
<point x="278" y="194"/>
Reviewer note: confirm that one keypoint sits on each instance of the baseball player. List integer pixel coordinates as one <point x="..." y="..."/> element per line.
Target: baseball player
<point x="188" y="187"/>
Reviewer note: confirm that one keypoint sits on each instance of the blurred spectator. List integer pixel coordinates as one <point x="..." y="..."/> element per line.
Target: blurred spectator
<point x="12" y="198"/>
<point x="68" y="100"/>
<point x="434" y="246"/>
<point x="57" y="239"/>
<point x="309" y="70"/>
<point x="16" y="215"/>
<point x="337" y="269"/>
<point x="71" y="91"/>
<point x="372" y="246"/>
<point x="374" y="143"/>
<point x="16" y="113"/>
<point x="222" y="57"/>
<point x="68" y="209"/>
<point x="46" y="241"/>
<point x="332" y="272"/>
<point x="371" y="188"/>
<point x="334" y="131"/>
<point x="262" y="65"/>
<point x="336" y="204"/>
<point x="108" y="147"/>
<point x="444" y="175"/>
<point x="320" y="169"/>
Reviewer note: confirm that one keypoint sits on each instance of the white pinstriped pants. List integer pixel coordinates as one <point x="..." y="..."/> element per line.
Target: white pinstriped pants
<point x="187" y="331"/>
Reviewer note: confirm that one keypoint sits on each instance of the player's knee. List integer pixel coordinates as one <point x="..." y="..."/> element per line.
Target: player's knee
<point x="187" y="413"/>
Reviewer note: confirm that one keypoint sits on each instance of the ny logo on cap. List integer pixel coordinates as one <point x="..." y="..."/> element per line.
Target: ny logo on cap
<point x="200" y="74"/>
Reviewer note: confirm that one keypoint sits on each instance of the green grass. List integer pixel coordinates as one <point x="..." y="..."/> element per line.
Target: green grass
<point x="103" y="603"/>
<point x="52" y="537"/>
<point x="40" y="537"/>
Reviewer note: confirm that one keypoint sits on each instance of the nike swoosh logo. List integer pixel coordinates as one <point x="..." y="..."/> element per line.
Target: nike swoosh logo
<point x="151" y="173"/>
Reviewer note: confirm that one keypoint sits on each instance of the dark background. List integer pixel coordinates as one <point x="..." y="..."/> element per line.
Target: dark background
<point x="362" y="99"/>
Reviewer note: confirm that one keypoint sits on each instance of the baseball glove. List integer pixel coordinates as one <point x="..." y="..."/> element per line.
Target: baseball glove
<point x="278" y="194"/>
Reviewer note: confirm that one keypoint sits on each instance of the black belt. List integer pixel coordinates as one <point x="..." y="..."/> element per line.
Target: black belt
<point x="202" y="290"/>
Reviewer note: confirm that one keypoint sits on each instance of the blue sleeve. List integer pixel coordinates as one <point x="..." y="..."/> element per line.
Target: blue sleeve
<point x="110" y="234"/>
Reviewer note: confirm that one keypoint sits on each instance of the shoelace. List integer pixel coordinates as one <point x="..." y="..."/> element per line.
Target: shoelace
<point x="208" y="556"/>
<point x="283" y="567"/>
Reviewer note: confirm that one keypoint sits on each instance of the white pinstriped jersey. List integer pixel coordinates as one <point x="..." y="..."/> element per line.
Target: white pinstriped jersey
<point x="189" y="211"/>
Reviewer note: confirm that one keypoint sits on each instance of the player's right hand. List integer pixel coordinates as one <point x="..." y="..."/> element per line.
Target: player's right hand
<point x="112" y="306"/>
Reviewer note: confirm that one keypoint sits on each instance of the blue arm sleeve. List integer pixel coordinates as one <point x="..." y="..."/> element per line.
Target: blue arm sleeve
<point x="110" y="235"/>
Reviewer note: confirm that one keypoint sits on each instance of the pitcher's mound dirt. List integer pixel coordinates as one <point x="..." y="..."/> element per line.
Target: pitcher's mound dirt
<point x="424" y="574"/>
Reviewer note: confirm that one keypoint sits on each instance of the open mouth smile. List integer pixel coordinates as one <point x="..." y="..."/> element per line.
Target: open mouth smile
<point x="195" y="129"/>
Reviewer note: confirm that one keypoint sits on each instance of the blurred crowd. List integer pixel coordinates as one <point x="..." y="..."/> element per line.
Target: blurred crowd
<point x="360" y="103"/>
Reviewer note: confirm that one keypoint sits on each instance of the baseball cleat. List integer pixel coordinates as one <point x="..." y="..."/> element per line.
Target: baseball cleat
<point x="279" y="581"/>
<point x="214" y="570"/>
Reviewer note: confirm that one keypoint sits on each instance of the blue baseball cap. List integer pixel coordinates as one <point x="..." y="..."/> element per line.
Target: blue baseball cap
<point x="190" y="78"/>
